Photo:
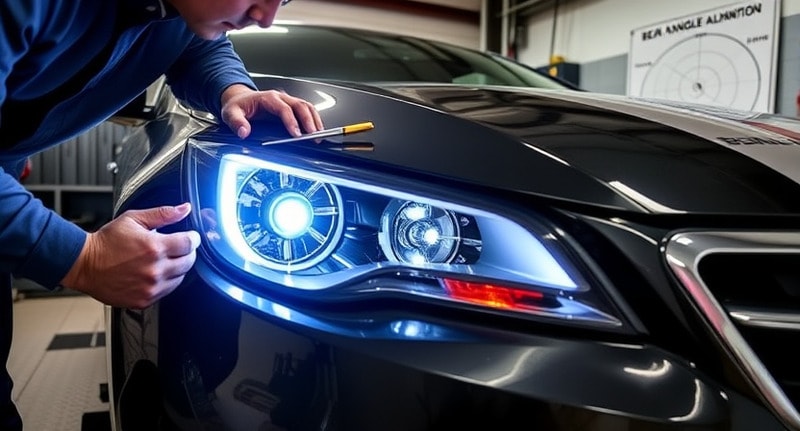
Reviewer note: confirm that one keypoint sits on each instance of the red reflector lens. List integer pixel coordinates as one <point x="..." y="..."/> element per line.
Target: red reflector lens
<point x="491" y="295"/>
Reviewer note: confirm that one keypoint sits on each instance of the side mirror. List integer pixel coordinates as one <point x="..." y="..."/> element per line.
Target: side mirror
<point x="142" y="108"/>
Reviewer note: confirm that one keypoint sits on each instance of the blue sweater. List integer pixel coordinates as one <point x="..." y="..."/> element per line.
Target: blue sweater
<point x="66" y="66"/>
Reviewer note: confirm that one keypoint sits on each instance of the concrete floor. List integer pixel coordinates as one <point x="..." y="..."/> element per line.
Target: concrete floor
<point x="58" y="360"/>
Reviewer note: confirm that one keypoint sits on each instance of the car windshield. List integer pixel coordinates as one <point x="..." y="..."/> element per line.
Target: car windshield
<point x="365" y="56"/>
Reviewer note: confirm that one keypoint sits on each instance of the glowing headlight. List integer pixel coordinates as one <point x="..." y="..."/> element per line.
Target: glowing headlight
<point x="290" y="215"/>
<point x="304" y="225"/>
<point x="283" y="222"/>
<point x="418" y="233"/>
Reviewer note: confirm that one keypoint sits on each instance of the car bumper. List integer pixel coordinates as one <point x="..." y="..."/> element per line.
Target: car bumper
<point x="222" y="355"/>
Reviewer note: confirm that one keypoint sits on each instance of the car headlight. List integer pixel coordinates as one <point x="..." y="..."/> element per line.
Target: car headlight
<point x="415" y="233"/>
<point x="277" y="220"/>
<point x="334" y="233"/>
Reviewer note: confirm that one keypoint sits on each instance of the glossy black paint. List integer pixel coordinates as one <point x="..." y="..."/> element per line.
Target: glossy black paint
<point x="463" y="370"/>
<point x="260" y="369"/>
<point x="221" y="362"/>
<point x="538" y="142"/>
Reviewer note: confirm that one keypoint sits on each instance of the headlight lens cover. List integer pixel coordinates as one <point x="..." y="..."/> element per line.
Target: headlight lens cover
<point x="336" y="233"/>
<point x="277" y="220"/>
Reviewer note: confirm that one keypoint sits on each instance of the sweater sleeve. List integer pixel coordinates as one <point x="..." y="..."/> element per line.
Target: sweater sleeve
<point x="18" y="24"/>
<point x="204" y="70"/>
<point x="35" y="242"/>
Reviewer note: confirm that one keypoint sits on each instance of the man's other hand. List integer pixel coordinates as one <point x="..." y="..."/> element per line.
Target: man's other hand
<point x="240" y="104"/>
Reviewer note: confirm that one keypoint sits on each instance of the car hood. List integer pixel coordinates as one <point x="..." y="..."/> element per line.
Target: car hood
<point x="603" y="150"/>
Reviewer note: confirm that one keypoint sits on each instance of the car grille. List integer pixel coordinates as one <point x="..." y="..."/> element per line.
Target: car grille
<point x="747" y="285"/>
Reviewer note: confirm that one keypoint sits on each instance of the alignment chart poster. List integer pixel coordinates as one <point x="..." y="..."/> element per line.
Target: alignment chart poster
<point x="723" y="57"/>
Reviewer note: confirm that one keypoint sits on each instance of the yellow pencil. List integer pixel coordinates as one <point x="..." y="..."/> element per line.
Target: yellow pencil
<point x="345" y="130"/>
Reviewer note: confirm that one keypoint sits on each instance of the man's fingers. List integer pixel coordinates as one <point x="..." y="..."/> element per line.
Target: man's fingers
<point x="170" y="276"/>
<point x="308" y="115"/>
<point x="155" y="218"/>
<point x="236" y="119"/>
<point x="178" y="267"/>
<point x="181" y="243"/>
<point x="303" y="112"/>
<point x="280" y="105"/>
<point x="243" y="131"/>
<point x="292" y="111"/>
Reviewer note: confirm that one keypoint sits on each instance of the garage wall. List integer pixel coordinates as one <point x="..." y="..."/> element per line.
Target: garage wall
<point x="458" y="29"/>
<point x="590" y="30"/>
<point x="596" y="35"/>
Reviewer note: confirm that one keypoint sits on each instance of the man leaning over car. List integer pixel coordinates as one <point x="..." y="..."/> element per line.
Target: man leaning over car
<point x="66" y="66"/>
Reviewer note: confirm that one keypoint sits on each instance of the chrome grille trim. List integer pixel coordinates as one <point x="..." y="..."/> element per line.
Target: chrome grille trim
<point x="683" y="253"/>
<point x="765" y="319"/>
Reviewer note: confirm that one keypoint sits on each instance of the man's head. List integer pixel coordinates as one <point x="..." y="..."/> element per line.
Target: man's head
<point x="209" y="19"/>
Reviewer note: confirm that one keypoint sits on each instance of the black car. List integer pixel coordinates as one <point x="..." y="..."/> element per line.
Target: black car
<point x="500" y="252"/>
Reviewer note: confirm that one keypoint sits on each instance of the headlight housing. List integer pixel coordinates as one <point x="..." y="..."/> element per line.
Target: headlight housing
<point x="334" y="233"/>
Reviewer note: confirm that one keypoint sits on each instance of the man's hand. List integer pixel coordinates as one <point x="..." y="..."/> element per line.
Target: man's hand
<point x="126" y="263"/>
<point x="240" y="104"/>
